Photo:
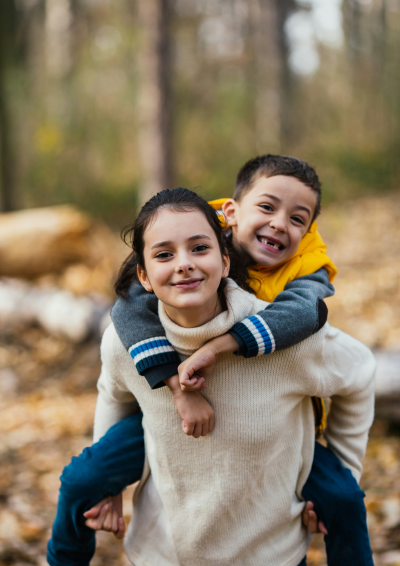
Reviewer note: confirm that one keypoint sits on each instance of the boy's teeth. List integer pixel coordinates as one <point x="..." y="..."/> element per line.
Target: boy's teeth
<point x="267" y="243"/>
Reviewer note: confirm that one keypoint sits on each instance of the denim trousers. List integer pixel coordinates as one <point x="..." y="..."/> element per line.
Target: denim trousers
<point x="117" y="460"/>
<point x="104" y="469"/>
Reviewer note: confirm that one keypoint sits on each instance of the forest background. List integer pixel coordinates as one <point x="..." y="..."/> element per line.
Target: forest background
<point x="104" y="103"/>
<point x="101" y="102"/>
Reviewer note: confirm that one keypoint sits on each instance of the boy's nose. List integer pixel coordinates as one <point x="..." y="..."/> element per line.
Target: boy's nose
<point x="278" y="223"/>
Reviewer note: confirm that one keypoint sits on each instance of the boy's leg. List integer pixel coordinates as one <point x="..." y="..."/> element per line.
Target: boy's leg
<point x="339" y="504"/>
<point x="103" y="469"/>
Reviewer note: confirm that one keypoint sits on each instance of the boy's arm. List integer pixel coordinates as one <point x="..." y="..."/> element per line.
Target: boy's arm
<point x="296" y="313"/>
<point x="143" y="336"/>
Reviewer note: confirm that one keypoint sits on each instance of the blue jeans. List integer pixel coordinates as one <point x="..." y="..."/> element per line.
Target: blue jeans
<point x="103" y="469"/>
<point x="339" y="503"/>
<point x="116" y="461"/>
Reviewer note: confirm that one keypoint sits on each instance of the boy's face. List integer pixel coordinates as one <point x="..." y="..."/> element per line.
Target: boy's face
<point x="270" y="220"/>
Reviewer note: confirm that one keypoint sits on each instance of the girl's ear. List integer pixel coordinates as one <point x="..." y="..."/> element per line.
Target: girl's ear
<point x="227" y="264"/>
<point x="229" y="209"/>
<point x="142" y="275"/>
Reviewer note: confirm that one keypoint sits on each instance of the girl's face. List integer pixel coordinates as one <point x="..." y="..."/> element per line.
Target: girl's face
<point x="184" y="266"/>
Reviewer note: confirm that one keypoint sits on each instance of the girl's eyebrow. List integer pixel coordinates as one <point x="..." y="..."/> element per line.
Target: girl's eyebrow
<point x="199" y="237"/>
<point x="161" y="244"/>
<point x="169" y="242"/>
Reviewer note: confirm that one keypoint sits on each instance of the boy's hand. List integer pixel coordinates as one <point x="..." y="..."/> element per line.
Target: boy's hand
<point x="197" y="414"/>
<point x="194" y="371"/>
<point x="107" y="516"/>
<point x="310" y="520"/>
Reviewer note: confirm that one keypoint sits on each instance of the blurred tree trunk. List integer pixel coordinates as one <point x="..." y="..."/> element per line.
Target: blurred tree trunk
<point x="273" y="86"/>
<point x="265" y="81"/>
<point x="155" y="143"/>
<point x="287" y="106"/>
<point x="58" y="37"/>
<point x="7" y="181"/>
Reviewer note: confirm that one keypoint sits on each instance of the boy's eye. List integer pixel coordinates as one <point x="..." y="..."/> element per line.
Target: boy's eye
<point x="200" y="248"/>
<point x="266" y="207"/>
<point x="163" y="255"/>
<point x="298" y="219"/>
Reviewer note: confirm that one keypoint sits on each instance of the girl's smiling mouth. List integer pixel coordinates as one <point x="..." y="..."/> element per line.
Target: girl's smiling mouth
<point x="271" y="244"/>
<point x="187" y="284"/>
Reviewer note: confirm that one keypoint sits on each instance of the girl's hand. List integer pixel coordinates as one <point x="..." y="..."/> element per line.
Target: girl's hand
<point x="310" y="520"/>
<point x="194" y="371"/>
<point x="197" y="414"/>
<point x="107" y="516"/>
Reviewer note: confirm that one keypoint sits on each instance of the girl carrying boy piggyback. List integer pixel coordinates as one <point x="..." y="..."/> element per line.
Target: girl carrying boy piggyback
<point x="233" y="497"/>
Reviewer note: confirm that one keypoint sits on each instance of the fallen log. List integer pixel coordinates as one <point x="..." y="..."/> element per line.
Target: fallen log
<point x="387" y="391"/>
<point x="42" y="240"/>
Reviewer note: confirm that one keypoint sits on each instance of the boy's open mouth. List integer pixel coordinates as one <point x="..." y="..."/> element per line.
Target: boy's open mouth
<point x="275" y="245"/>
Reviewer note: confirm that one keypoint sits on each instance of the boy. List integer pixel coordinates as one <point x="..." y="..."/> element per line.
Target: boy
<point x="271" y="216"/>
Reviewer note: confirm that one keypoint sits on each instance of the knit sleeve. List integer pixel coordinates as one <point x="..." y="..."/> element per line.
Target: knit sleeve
<point x="114" y="402"/>
<point x="347" y="374"/>
<point x="143" y="336"/>
<point x="296" y="313"/>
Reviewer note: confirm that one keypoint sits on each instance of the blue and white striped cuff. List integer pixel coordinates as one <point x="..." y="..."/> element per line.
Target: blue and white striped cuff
<point x="152" y="352"/>
<point x="257" y="336"/>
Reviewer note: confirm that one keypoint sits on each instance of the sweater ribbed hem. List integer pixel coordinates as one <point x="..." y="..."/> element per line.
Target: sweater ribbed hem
<point x="257" y="335"/>
<point x="152" y="352"/>
<point x="155" y="375"/>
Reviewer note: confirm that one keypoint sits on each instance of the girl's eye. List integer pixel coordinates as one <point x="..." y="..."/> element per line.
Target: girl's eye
<point x="298" y="219"/>
<point x="164" y="255"/>
<point x="201" y="248"/>
<point x="266" y="207"/>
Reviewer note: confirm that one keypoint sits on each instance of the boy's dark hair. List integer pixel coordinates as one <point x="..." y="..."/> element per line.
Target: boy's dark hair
<point x="179" y="200"/>
<point x="272" y="165"/>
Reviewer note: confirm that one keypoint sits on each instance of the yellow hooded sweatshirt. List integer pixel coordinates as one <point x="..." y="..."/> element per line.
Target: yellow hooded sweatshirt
<point x="268" y="282"/>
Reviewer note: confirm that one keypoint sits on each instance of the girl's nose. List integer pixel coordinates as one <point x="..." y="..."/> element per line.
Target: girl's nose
<point x="184" y="264"/>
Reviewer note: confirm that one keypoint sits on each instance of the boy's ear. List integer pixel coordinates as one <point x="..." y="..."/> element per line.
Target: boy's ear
<point x="142" y="275"/>
<point x="229" y="209"/>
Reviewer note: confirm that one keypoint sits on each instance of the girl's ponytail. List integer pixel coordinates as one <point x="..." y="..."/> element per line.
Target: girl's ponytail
<point x="126" y="275"/>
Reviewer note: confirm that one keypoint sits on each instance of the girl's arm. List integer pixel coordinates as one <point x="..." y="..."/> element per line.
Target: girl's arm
<point x="115" y="402"/>
<point x="347" y="372"/>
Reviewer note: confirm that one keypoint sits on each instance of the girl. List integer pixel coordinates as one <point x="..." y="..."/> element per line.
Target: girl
<point x="234" y="496"/>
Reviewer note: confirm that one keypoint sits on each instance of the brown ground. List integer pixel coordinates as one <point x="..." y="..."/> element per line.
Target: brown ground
<point x="47" y="398"/>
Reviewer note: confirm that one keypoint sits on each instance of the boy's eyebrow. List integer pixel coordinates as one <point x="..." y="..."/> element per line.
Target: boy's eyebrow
<point x="169" y="242"/>
<point x="306" y="209"/>
<point x="299" y="206"/>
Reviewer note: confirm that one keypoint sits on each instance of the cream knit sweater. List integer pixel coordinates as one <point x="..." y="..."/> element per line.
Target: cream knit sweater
<point x="233" y="498"/>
